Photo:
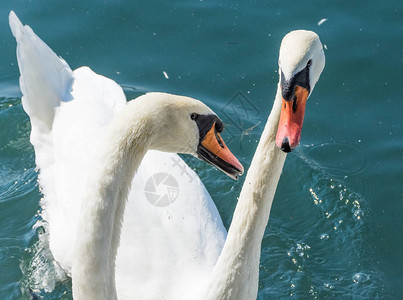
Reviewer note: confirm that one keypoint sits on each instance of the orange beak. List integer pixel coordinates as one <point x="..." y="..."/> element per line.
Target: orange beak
<point x="213" y="150"/>
<point x="291" y="119"/>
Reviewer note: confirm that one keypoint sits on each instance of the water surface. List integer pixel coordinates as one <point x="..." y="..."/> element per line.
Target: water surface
<point x="335" y="226"/>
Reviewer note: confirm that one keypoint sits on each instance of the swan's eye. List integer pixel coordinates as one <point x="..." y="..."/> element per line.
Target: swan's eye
<point x="309" y="63"/>
<point x="193" y="116"/>
<point x="219" y="126"/>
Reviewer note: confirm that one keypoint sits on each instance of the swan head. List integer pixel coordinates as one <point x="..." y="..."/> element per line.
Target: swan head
<point x="186" y="125"/>
<point x="301" y="62"/>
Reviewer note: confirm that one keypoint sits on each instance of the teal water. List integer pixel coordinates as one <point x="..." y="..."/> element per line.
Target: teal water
<point x="335" y="226"/>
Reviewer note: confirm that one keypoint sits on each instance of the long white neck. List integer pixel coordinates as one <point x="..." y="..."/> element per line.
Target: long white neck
<point x="236" y="273"/>
<point x="126" y="143"/>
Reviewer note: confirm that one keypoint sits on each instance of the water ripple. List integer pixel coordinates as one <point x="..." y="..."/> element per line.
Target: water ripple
<point x="41" y="273"/>
<point x="338" y="159"/>
<point x="316" y="243"/>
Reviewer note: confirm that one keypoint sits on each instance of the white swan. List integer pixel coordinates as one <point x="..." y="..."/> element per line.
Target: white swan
<point x="236" y="274"/>
<point x="70" y="113"/>
<point x="154" y="121"/>
<point x="187" y="266"/>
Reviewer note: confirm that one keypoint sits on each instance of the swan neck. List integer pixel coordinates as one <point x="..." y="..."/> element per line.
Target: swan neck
<point x="103" y="206"/>
<point x="237" y="270"/>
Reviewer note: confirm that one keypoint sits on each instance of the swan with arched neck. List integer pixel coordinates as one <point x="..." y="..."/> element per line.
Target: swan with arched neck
<point x="236" y="273"/>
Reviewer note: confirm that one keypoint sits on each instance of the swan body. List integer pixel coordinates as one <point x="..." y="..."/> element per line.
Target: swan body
<point x="178" y="252"/>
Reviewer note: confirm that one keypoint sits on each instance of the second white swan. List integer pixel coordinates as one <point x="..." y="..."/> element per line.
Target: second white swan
<point x="236" y="273"/>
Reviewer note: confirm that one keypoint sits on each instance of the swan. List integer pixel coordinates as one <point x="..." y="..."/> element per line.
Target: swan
<point x="156" y="121"/>
<point x="236" y="273"/>
<point x="196" y="259"/>
<point x="89" y="144"/>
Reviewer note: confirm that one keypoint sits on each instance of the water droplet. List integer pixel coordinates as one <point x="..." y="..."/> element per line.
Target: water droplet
<point x="282" y="278"/>
<point x="329" y="286"/>
<point x="360" y="278"/>
<point x="358" y="214"/>
<point x="336" y="278"/>
<point x="324" y="236"/>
